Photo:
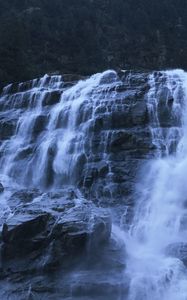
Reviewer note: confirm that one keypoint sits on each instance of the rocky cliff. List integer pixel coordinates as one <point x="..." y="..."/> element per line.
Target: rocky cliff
<point x="71" y="154"/>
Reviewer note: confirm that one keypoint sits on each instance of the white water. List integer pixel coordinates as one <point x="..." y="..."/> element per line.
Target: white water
<point x="57" y="148"/>
<point x="160" y="219"/>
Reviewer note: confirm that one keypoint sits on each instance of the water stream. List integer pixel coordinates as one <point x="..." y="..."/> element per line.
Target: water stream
<point x="159" y="228"/>
<point x="50" y="145"/>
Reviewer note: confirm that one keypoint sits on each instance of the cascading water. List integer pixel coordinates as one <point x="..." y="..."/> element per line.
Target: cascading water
<point x="47" y="145"/>
<point x="158" y="231"/>
<point x="94" y="135"/>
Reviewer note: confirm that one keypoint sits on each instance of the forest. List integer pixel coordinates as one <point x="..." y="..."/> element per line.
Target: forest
<point x="88" y="36"/>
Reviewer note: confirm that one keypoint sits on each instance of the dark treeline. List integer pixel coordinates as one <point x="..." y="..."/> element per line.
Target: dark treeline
<point x="87" y="36"/>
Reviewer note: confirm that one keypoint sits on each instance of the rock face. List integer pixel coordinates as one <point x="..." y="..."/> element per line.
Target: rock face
<point x="102" y="124"/>
<point x="48" y="233"/>
<point x="71" y="152"/>
<point x="53" y="220"/>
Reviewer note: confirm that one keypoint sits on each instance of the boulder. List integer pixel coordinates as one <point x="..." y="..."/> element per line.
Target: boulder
<point x="19" y="234"/>
<point x="94" y="278"/>
<point x="60" y="222"/>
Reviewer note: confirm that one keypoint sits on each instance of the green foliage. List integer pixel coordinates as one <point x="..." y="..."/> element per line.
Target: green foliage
<point x="86" y="36"/>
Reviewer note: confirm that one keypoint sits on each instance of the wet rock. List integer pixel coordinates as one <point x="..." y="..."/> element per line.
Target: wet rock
<point x="61" y="222"/>
<point x="165" y="109"/>
<point x="134" y="78"/>
<point x="134" y="140"/>
<point x="112" y="125"/>
<point x="73" y="77"/>
<point x="115" y="120"/>
<point x="140" y="114"/>
<point x="39" y="124"/>
<point x="18" y="233"/>
<point x="50" y="281"/>
<point x="24" y="153"/>
<point x="178" y="250"/>
<point x="48" y="177"/>
<point x="52" y="98"/>
<point x="109" y="77"/>
<point x="22" y="197"/>
<point x="11" y="88"/>
<point x="53" y="230"/>
<point x="1" y="188"/>
<point x="7" y="128"/>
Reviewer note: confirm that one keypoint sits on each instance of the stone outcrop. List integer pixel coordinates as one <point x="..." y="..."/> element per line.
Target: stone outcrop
<point x="56" y="220"/>
<point x="47" y="235"/>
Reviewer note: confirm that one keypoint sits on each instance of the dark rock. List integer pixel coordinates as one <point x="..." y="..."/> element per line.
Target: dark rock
<point x="54" y="230"/>
<point x="50" y="281"/>
<point x="22" y="197"/>
<point x="7" y="129"/>
<point x="68" y="78"/>
<point x="24" y="153"/>
<point x="114" y="120"/>
<point x="61" y="222"/>
<point x="52" y="98"/>
<point x="166" y="115"/>
<point x="18" y="232"/>
<point x="39" y="124"/>
<point x="178" y="250"/>
<point x="109" y="77"/>
<point x="140" y="114"/>
<point x="1" y="188"/>
<point x="11" y="88"/>
<point x="124" y="140"/>
<point x="48" y="178"/>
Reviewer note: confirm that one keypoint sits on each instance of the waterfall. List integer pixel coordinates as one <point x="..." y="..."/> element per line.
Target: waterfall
<point x="121" y="139"/>
<point x="47" y="145"/>
<point x="157" y="237"/>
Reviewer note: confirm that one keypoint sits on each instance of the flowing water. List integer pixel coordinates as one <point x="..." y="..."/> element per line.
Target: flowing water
<point x="47" y="144"/>
<point x="50" y="143"/>
<point x="159" y="227"/>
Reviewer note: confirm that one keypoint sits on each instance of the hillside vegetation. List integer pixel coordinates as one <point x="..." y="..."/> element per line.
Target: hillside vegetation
<point x="87" y="36"/>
